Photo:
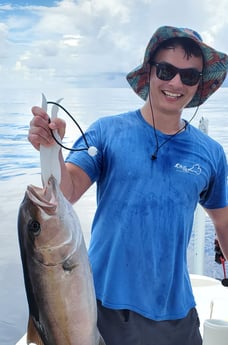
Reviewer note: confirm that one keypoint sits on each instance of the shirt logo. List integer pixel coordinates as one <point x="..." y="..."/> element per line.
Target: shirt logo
<point x="195" y="169"/>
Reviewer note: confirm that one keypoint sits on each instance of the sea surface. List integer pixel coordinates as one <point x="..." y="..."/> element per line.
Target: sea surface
<point x="19" y="166"/>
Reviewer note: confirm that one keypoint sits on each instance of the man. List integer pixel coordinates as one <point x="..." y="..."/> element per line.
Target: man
<point x="151" y="170"/>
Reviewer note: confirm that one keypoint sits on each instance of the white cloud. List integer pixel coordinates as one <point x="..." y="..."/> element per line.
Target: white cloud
<point x="74" y="38"/>
<point x="5" y="45"/>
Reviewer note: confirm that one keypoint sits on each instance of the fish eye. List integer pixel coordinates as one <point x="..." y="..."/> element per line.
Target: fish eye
<point x="34" y="227"/>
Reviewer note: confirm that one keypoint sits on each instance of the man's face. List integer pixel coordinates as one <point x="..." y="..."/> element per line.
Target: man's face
<point x="173" y="95"/>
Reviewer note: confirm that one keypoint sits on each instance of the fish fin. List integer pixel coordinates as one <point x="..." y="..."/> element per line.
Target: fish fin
<point x="32" y="334"/>
<point x="101" y="342"/>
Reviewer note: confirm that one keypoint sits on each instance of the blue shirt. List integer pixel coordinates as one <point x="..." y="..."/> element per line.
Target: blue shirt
<point x="145" y="211"/>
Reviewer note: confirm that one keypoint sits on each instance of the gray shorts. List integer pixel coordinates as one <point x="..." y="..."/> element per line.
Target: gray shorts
<point x="124" y="327"/>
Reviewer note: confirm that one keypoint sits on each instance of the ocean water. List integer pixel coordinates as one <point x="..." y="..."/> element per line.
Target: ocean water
<point x="19" y="166"/>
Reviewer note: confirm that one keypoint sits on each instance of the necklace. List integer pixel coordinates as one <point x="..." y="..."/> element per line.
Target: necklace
<point x="155" y="153"/>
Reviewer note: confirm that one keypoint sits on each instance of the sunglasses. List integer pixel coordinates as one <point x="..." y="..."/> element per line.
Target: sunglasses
<point x="166" y="71"/>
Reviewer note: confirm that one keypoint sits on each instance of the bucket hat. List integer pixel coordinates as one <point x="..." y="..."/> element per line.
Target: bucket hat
<point x="214" y="70"/>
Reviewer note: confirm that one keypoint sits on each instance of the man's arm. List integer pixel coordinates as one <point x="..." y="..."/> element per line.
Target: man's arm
<point x="74" y="181"/>
<point x="219" y="218"/>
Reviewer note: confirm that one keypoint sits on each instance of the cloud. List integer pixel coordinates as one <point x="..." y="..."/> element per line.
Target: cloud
<point x="66" y="40"/>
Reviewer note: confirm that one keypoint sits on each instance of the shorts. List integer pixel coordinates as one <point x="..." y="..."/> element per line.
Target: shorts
<point x="125" y="327"/>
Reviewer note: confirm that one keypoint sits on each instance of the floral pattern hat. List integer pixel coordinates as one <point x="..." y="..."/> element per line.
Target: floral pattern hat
<point x="214" y="71"/>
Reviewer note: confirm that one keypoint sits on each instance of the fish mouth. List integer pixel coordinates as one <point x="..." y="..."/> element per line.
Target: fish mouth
<point x="44" y="197"/>
<point x="54" y="244"/>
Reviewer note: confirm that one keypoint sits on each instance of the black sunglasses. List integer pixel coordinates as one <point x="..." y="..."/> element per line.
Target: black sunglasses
<point x="166" y="71"/>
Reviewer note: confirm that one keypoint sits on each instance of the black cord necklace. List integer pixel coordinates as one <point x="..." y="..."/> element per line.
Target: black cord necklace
<point x="154" y="155"/>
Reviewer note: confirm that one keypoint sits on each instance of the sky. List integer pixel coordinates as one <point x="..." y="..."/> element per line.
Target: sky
<point x="93" y="42"/>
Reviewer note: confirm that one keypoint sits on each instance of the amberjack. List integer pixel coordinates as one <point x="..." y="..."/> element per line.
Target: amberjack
<point x="57" y="274"/>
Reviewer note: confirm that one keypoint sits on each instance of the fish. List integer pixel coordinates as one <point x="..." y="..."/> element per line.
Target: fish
<point x="57" y="274"/>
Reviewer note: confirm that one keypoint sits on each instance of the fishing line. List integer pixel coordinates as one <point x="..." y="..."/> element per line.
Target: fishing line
<point x="92" y="150"/>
